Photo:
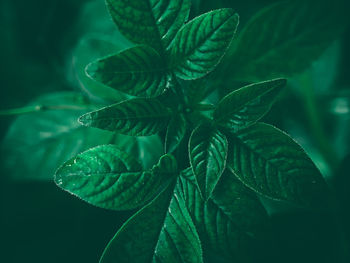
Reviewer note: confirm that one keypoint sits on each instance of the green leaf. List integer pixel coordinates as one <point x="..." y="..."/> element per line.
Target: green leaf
<point x="272" y="164"/>
<point x="136" y="117"/>
<point x="161" y="232"/>
<point x="90" y="48"/>
<point x="199" y="46"/>
<point x="106" y="177"/>
<point x="137" y="71"/>
<point x="284" y="38"/>
<point x="36" y="144"/>
<point x="229" y="221"/>
<point x="247" y="105"/>
<point x="207" y="153"/>
<point x="175" y="133"/>
<point x="150" y="22"/>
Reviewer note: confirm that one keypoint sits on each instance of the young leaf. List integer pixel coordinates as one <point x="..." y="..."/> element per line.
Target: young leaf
<point x="229" y="221"/>
<point x="150" y="22"/>
<point x="137" y="71"/>
<point x="160" y="232"/>
<point x="136" y="117"/>
<point x="207" y="153"/>
<point x="247" y="105"/>
<point x="284" y="38"/>
<point x="199" y="46"/>
<point x="106" y="177"/>
<point x="271" y="163"/>
<point x="175" y="133"/>
<point x="36" y="144"/>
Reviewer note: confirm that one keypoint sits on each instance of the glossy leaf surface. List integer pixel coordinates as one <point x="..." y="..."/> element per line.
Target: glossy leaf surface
<point x="199" y="46"/>
<point x="162" y="231"/>
<point x="137" y="117"/>
<point x="274" y="165"/>
<point x="247" y="105"/>
<point x="229" y="221"/>
<point x="175" y="132"/>
<point x="207" y="153"/>
<point x="284" y="38"/>
<point x="137" y="71"/>
<point x="106" y="177"/>
<point x="150" y="22"/>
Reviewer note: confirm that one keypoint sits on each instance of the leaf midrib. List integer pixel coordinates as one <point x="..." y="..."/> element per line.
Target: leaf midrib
<point x="190" y="52"/>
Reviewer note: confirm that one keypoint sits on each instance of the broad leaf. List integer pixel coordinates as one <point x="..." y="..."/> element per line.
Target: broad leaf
<point x="150" y="22"/>
<point x="175" y="133"/>
<point x="247" y="105"/>
<point x="274" y="165"/>
<point x="284" y="38"/>
<point x="136" y="117"/>
<point x="207" y="153"/>
<point x="160" y="232"/>
<point x="106" y="177"/>
<point x="137" y="71"/>
<point x="36" y="144"/>
<point x="199" y="46"/>
<point x="229" y="221"/>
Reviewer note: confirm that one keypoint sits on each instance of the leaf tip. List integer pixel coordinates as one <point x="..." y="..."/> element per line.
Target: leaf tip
<point x="85" y="119"/>
<point x="90" y="70"/>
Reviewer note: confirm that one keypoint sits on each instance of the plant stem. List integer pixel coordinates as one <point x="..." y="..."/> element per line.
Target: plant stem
<point x="38" y="108"/>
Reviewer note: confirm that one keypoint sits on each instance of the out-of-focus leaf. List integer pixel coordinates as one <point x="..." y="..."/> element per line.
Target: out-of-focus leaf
<point x="36" y="144"/>
<point x="284" y="38"/>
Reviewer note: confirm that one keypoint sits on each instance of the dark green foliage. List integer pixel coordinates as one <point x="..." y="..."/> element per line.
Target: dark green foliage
<point x="209" y="210"/>
<point x="198" y="199"/>
<point x="284" y="38"/>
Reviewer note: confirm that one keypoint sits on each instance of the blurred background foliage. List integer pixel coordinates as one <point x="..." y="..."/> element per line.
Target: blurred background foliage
<point x="44" y="47"/>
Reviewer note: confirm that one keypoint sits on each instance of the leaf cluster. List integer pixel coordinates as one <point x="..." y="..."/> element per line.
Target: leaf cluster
<point x="200" y="202"/>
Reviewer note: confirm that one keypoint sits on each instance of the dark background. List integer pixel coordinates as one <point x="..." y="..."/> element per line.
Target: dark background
<point x="41" y="223"/>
